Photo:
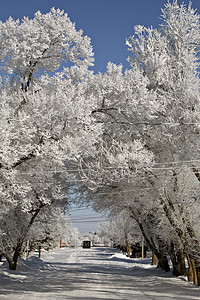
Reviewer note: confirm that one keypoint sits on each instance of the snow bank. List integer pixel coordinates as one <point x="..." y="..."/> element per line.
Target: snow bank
<point x="25" y="268"/>
<point x="24" y="265"/>
<point x="144" y="263"/>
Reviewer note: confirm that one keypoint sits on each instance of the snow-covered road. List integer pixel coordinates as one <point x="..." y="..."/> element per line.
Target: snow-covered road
<point x="96" y="273"/>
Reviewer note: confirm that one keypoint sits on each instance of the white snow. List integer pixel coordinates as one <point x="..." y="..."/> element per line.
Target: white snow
<point x="96" y="273"/>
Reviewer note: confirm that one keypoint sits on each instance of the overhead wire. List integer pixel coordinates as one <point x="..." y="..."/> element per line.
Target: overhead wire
<point x="78" y="209"/>
<point x="137" y="189"/>
<point x="80" y="218"/>
<point x="136" y="123"/>
<point x="132" y="123"/>
<point x="88" y="221"/>
<point x="110" y="167"/>
<point x="136" y="175"/>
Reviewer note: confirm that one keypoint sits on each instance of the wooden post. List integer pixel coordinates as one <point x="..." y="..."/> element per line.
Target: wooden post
<point x="142" y="247"/>
<point x="27" y="249"/>
<point x="39" y="251"/>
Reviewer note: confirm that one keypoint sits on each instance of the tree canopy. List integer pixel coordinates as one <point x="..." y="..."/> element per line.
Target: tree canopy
<point x="130" y="138"/>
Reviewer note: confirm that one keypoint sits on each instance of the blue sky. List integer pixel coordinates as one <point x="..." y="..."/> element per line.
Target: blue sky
<point x="108" y="23"/>
<point x="85" y="219"/>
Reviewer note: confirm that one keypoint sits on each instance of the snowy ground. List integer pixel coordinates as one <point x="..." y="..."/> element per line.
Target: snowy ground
<point x="96" y="273"/>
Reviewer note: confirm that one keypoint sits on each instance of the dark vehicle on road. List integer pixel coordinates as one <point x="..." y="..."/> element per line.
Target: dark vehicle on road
<point x="86" y="244"/>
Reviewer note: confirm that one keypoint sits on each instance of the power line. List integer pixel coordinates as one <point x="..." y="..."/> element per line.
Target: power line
<point x="136" y="175"/>
<point x="132" y="123"/>
<point x="84" y="217"/>
<point x="137" y="189"/>
<point x="106" y="168"/>
<point x="78" y="209"/>
<point x="178" y="162"/>
<point x="88" y="221"/>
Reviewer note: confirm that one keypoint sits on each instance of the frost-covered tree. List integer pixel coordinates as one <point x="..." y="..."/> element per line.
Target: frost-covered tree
<point x="50" y="228"/>
<point x="45" y="118"/>
<point x="120" y="151"/>
<point x="42" y="44"/>
<point x="71" y="235"/>
<point x="151" y="128"/>
<point x="169" y="59"/>
<point x="122" y="232"/>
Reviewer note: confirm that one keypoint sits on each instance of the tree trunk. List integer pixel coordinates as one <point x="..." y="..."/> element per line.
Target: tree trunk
<point x="178" y="260"/>
<point x="189" y="241"/>
<point x="192" y="274"/>
<point x="190" y="270"/>
<point x="162" y="259"/>
<point x="129" y="251"/>
<point x="154" y="261"/>
<point x="181" y="268"/>
<point x="198" y="275"/>
<point x="163" y="263"/>
<point x="128" y="248"/>
<point x="13" y="262"/>
<point x="178" y="264"/>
